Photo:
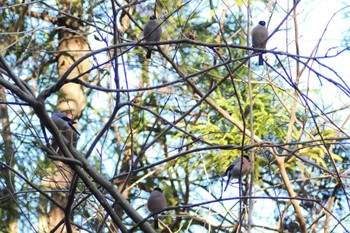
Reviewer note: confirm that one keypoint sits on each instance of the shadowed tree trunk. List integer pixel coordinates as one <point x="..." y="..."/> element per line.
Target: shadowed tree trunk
<point x="72" y="46"/>
<point x="10" y="206"/>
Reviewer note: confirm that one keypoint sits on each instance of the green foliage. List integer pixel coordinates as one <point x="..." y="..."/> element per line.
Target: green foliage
<point x="168" y="116"/>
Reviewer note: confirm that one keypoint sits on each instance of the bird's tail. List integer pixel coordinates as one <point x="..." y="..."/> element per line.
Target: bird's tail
<point x="149" y="52"/>
<point x="156" y="222"/>
<point x="261" y="60"/>
<point x="227" y="182"/>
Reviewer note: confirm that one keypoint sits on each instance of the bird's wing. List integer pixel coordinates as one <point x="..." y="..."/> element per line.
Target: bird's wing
<point x="68" y="119"/>
<point x="229" y="169"/>
<point x="236" y="161"/>
<point x="73" y="128"/>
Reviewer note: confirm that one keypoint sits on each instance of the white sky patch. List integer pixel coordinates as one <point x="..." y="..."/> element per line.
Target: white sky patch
<point x="313" y="18"/>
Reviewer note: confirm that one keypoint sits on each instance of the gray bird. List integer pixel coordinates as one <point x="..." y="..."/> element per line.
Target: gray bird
<point x="152" y="33"/>
<point x="235" y="171"/>
<point x="259" y="38"/>
<point x="63" y="122"/>
<point x="156" y="202"/>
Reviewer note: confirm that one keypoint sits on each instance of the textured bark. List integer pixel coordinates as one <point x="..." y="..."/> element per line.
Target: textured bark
<point x="9" y="207"/>
<point x="42" y="215"/>
<point x="73" y="101"/>
<point x="72" y="46"/>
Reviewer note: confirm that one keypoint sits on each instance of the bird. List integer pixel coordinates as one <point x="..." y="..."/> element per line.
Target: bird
<point x="63" y="122"/>
<point x="156" y="202"/>
<point x="152" y="33"/>
<point x="259" y="38"/>
<point x="235" y="170"/>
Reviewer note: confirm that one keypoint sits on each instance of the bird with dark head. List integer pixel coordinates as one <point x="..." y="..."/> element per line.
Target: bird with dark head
<point x="259" y="38"/>
<point x="237" y="170"/>
<point x="63" y="122"/>
<point x="156" y="202"/>
<point x="152" y="33"/>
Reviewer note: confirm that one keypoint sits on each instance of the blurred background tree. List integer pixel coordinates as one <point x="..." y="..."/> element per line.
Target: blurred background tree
<point x="175" y="121"/>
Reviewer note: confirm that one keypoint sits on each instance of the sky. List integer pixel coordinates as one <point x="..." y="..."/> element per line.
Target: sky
<point x="313" y="18"/>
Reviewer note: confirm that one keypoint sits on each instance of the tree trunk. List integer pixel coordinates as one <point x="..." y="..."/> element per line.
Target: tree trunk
<point x="9" y="207"/>
<point x="72" y="46"/>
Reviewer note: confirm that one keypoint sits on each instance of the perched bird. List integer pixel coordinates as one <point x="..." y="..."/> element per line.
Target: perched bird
<point x="156" y="202"/>
<point x="63" y="122"/>
<point x="259" y="38"/>
<point x="235" y="170"/>
<point x="152" y="33"/>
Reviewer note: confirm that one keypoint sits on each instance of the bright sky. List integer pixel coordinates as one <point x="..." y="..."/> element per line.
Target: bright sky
<point x="312" y="20"/>
<point x="313" y="17"/>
